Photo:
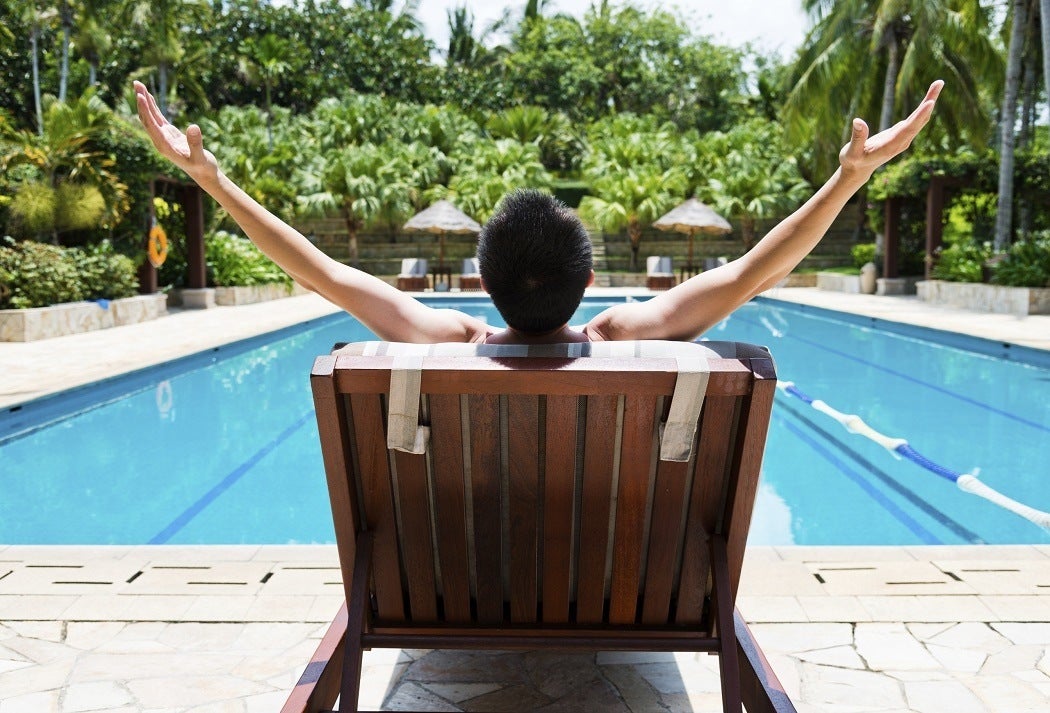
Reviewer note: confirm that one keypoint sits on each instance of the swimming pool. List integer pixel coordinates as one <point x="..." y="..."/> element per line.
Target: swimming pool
<point x="222" y="448"/>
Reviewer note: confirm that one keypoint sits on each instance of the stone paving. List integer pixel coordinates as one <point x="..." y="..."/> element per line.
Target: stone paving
<point x="892" y="629"/>
<point x="925" y="629"/>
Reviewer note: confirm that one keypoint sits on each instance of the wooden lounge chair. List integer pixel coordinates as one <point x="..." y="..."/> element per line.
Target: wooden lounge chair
<point x="582" y="496"/>
<point x="470" y="275"/>
<point x="658" y="273"/>
<point x="413" y="275"/>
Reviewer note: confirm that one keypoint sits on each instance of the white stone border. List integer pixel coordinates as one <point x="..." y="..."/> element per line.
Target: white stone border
<point x="1020" y="301"/>
<point x="29" y="325"/>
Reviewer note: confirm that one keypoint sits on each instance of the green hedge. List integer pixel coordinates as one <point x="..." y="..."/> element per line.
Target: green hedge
<point x="233" y="261"/>
<point x="38" y="275"/>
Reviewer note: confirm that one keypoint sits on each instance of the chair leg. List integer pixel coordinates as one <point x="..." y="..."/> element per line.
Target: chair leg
<point x="722" y="601"/>
<point x="761" y="689"/>
<point x="351" y="683"/>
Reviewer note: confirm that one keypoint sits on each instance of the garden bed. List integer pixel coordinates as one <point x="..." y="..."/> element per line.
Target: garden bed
<point x="30" y="325"/>
<point x="1020" y="301"/>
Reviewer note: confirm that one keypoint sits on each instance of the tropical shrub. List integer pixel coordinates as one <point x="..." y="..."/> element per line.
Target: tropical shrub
<point x="1027" y="264"/>
<point x="862" y="253"/>
<point x="962" y="261"/>
<point x="233" y="261"/>
<point x="39" y="275"/>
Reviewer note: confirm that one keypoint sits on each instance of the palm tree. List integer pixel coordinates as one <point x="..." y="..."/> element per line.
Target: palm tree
<point x="263" y="61"/>
<point x="164" y="53"/>
<point x="869" y="58"/>
<point x="63" y="167"/>
<point x="751" y="175"/>
<point x="92" y="40"/>
<point x="1008" y="114"/>
<point x="486" y="170"/>
<point x="632" y="200"/>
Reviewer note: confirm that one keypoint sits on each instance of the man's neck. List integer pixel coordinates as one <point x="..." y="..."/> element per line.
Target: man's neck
<point x="561" y="335"/>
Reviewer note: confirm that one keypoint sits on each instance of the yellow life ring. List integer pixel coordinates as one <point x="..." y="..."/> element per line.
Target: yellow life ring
<point x="157" y="246"/>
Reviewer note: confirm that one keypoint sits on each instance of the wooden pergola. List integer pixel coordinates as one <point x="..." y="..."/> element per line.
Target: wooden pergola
<point x="935" y="198"/>
<point x="191" y="197"/>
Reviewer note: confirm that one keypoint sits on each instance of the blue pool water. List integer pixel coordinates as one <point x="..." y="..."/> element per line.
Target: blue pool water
<point x="223" y="449"/>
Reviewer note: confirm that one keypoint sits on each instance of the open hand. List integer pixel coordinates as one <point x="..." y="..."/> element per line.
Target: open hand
<point x="863" y="154"/>
<point x="184" y="150"/>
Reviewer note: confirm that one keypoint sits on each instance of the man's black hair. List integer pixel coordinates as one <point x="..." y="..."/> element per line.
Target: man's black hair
<point x="534" y="256"/>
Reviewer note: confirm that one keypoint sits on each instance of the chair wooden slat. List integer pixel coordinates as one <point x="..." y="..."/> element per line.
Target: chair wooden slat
<point x="379" y="502"/>
<point x="559" y="488"/>
<point x="333" y="427"/>
<point x="751" y="446"/>
<point x="485" y="481"/>
<point x="665" y="538"/>
<point x="523" y="435"/>
<point x="417" y="547"/>
<point x="636" y="459"/>
<point x="596" y="497"/>
<point x="716" y="429"/>
<point x="450" y="506"/>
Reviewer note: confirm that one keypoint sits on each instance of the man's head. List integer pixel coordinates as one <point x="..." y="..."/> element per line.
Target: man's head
<point x="535" y="261"/>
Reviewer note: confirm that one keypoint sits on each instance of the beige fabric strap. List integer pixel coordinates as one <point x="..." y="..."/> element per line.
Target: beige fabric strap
<point x="405" y="433"/>
<point x="678" y="434"/>
<point x="403" y="430"/>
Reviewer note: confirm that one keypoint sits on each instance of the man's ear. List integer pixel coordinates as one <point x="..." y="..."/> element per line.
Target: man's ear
<point x="590" y="280"/>
<point x="483" y="287"/>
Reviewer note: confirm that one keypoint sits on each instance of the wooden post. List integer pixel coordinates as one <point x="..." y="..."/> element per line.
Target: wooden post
<point x="891" y="242"/>
<point x="193" y="204"/>
<point x="148" y="273"/>
<point x="934" y="221"/>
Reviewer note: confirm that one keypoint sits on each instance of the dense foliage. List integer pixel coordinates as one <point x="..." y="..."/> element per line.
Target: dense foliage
<point x="234" y="261"/>
<point x="346" y="110"/>
<point x="36" y="274"/>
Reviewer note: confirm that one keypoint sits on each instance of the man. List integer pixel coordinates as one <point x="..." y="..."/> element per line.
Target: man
<point x="532" y="258"/>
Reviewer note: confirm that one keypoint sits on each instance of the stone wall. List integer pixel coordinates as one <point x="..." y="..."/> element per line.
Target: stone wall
<point x="381" y="253"/>
<point x="28" y="325"/>
<point x="1020" y="301"/>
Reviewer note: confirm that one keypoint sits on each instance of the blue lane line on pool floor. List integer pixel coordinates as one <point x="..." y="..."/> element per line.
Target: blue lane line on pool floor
<point x="223" y="485"/>
<point x="865" y="484"/>
<point x="908" y="377"/>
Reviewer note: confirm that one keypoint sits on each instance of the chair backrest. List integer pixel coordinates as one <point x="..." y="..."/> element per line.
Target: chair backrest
<point x="542" y="493"/>
<point x="470" y="266"/>
<point x="414" y="267"/>
<point x="658" y="265"/>
<point x="711" y="263"/>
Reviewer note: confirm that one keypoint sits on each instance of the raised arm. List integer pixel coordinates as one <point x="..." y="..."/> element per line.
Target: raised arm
<point x="387" y="311"/>
<point x="689" y="309"/>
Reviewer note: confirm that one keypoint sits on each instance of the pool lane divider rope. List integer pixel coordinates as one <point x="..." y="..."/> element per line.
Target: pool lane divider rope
<point x="967" y="482"/>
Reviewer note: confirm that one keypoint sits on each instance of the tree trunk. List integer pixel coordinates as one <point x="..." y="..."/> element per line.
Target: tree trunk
<point x="162" y="89"/>
<point x="634" y="233"/>
<point x="1028" y="100"/>
<point x="1008" y="114"/>
<point x="1044" y="14"/>
<point x="34" y="40"/>
<point x="889" y="85"/>
<point x="351" y="234"/>
<point x="269" y="117"/>
<point x="747" y="231"/>
<point x="66" y="18"/>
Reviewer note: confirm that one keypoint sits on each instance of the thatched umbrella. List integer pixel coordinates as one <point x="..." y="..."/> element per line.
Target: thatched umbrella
<point x="694" y="217"/>
<point x="441" y="218"/>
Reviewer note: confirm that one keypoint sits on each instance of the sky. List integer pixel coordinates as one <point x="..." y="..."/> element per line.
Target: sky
<point x="773" y="25"/>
